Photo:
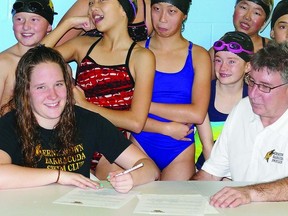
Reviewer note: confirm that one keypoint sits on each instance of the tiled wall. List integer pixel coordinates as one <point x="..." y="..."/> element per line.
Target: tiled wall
<point x="207" y="21"/>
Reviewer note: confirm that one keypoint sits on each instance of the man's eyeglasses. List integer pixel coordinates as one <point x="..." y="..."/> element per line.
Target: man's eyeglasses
<point x="233" y="47"/>
<point x="263" y="88"/>
<point x="28" y="6"/>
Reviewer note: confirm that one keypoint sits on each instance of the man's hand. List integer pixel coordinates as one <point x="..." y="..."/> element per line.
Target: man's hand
<point x="231" y="197"/>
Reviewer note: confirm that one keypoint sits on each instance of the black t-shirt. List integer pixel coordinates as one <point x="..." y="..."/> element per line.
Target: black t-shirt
<point x="94" y="134"/>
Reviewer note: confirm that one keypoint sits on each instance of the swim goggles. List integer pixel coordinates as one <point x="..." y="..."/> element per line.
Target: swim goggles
<point x="233" y="47"/>
<point x="32" y="7"/>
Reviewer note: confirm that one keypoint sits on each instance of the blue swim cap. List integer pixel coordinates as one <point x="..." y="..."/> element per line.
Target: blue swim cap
<point x="182" y="5"/>
<point x="281" y="9"/>
<point x="43" y="8"/>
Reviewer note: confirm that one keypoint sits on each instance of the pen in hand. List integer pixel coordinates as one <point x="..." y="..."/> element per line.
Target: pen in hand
<point x="131" y="169"/>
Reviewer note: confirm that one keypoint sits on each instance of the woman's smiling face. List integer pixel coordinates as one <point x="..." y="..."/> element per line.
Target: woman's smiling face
<point x="48" y="94"/>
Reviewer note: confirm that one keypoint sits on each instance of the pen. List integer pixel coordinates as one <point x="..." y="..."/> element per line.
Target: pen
<point x="131" y="169"/>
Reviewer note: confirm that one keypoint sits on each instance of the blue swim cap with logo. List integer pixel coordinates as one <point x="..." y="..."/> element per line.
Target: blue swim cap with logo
<point x="43" y="8"/>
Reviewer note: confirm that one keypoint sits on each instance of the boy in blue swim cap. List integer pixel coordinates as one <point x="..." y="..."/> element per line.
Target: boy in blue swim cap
<point x="43" y="8"/>
<point x="32" y="20"/>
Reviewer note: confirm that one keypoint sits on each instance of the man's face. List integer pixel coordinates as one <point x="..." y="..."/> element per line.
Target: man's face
<point x="29" y="28"/>
<point x="269" y="106"/>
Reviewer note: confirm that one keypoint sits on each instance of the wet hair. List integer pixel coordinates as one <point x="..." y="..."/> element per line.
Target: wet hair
<point x="130" y="8"/>
<point x="27" y="125"/>
<point x="43" y="8"/>
<point x="267" y="5"/>
<point x="280" y="10"/>
<point x="242" y="39"/>
<point x="182" y="5"/>
<point x="273" y="57"/>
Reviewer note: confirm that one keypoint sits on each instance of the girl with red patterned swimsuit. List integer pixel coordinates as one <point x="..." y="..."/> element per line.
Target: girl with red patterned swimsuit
<point x="139" y="29"/>
<point x="115" y="75"/>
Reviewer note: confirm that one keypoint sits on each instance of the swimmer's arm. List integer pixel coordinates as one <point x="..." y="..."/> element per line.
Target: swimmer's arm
<point x="206" y="137"/>
<point x="176" y="130"/>
<point x="205" y="176"/>
<point x="212" y="53"/>
<point x="3" y="77"/>
<point x="74" y="22"/>
<point x="79" y="8"/>
<point x="2" y="85"/>
<point x="197" y="110"/>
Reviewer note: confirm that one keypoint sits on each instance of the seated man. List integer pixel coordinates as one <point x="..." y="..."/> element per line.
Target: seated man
<point x="253" y="143"/>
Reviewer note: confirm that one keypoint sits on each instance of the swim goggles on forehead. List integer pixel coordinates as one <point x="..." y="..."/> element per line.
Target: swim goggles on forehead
<point x="233" y="47"/>
<point x="28" y="6"/>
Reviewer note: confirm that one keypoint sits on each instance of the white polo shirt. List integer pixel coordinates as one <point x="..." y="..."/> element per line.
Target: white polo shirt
<point x="246" y="151"/>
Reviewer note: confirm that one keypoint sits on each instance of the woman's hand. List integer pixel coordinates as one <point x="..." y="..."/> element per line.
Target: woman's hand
<point x="78" y="180"/>
<point x="122" y="183"/>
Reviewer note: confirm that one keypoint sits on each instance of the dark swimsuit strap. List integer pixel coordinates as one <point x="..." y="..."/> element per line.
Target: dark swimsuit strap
<point x="263" y="42"/>
<point x="129" y="53"/>
<point x="128" y="59"/>
<point x="144" y="4"/>
<point x="92" y="46"/>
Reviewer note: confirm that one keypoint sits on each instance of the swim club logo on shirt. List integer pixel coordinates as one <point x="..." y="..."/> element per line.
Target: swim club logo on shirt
<point x="55" y="160"/>
<point x="275" y="157"/>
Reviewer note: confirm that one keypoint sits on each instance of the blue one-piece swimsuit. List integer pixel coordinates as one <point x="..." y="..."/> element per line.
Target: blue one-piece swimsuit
<point x="169" y="88"/>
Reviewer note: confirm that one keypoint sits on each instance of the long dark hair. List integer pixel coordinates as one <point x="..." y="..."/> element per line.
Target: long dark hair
<point x="26" y="121"/>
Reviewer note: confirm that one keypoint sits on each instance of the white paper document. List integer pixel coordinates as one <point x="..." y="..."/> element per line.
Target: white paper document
<point x="103" y="198"/>
<point x="174" y="204"/>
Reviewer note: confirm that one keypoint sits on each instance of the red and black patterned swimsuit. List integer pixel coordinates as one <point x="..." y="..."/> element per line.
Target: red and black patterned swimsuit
<point x="106" y="86"/>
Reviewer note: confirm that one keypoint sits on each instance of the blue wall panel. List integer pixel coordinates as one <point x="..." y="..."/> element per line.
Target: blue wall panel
<point x="207" y="21"/>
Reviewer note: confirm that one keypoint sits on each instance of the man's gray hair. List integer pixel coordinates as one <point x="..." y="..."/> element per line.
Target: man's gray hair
<point x="273" y="57"/>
